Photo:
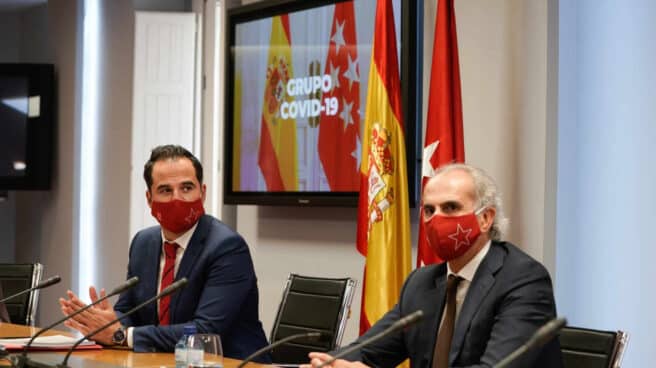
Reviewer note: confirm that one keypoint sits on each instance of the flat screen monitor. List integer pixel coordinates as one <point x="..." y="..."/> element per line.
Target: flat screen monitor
<point x="26" y="126"/>
<point x="296" y="88"/>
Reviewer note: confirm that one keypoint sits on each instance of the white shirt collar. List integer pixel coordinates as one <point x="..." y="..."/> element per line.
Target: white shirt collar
<point x="470" y="268"/>
<point x="184" y="239"/>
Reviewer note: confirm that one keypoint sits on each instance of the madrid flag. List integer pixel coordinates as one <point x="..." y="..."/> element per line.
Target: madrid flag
<point x="444" y="141"/>
<point x="339" y="132"/>
<point x="277" y="156"/>
<point x="383" y="212"/>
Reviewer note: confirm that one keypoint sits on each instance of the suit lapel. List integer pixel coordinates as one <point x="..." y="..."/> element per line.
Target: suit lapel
<point x="151" y="273"/>
<point x="191" y="253"/>
<point x="480" y="286"/>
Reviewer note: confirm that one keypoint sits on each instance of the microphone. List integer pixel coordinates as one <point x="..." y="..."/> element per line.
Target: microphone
<point x="310" y="335"/>
<point x="20" y="361"/>
<point x="543" y="335"/>
<point x="169" y="290"/>
<point x="43" y="284"/>
<point x="406" y="321"/>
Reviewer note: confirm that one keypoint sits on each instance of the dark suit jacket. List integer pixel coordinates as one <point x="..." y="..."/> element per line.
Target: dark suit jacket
<point x="509" y="298"/>
<point x="221" y="296"/>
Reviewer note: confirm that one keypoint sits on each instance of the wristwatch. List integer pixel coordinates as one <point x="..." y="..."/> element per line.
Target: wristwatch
<point x="120" y="336"/>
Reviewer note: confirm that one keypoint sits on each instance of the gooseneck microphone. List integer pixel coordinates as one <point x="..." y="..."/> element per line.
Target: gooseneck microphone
<point x="43" y="284"/>
<point x="543" y="335"/>
<point x="167" y="291"/>
<point x="308" y="335"/>
<point x="406" y="321"/>
<point x="130" y="283"/>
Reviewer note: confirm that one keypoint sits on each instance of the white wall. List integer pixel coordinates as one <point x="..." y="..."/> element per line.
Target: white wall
<point x="47" y="222"/>
<point x="42" y="225"/>
<point x="10" y="26"/>
<point x="607" y="172"/>
<point x="503" y="56"/>
<point x="7" y="228"/>
<point x="45" y="219"/>
<point x="115" y="124"/>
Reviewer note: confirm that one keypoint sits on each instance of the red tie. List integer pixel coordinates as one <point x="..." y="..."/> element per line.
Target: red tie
<point x="167" y="279"/>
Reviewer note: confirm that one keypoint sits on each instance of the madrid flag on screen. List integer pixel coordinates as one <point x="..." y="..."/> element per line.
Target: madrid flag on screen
<point x="276" y="156"/>
<point x="339" y="133"/>
<point x="444" y="141"/>
<point x="383" y="212"/>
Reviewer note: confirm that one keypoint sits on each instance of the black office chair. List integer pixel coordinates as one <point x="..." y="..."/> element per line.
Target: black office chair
<point x="311" y="304"/>
<point x="16" y="278"/>
<point x="586" y="348"/>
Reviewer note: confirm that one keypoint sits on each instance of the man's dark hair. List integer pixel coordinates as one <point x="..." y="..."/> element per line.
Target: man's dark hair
<point x="170" y="151"/>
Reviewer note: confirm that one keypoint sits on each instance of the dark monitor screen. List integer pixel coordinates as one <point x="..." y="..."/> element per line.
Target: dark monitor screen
<point x="13" y="125"/>
<point x="26" y="126"/>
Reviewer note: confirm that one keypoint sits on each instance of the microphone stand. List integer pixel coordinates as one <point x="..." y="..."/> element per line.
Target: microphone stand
<point x="403" y="322"/>
<point x="43" y="284"/>
<point x="309" y="335"/>
<point x="543" y="335"/>
<point x="20" y="361"/>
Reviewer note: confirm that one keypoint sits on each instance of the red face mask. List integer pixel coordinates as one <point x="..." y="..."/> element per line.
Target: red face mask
<point x="176" y="215"/>
<point x="452" y="236"/>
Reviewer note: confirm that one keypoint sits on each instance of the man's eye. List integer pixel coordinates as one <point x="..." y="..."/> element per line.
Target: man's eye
<point x="449" y="207"/>
<point x="428" y="211"/>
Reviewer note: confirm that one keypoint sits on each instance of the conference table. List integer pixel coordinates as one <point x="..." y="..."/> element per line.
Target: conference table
<point x="98" y="358"/>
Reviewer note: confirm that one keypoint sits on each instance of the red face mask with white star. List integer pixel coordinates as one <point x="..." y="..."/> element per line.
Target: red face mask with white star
<point x="452" y="236"/>
<point x="176" y="215"/>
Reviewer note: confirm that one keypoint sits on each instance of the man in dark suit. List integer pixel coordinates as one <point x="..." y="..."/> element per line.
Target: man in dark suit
<point x="221" y="296"/>
<point x="480" y="305"/>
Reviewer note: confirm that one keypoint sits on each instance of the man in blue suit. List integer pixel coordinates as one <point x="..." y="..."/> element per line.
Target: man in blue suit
<point x="221" y="296"/>
<point x="484" y="302"/>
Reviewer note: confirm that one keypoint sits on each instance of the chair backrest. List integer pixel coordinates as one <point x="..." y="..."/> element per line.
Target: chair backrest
<point x="16" y="278"/>
<point x="587" y="348"/>
<point x="311" y="304"/>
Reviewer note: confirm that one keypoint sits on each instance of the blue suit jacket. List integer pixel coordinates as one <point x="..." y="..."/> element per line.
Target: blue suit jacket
<point x="509" y="298"/>
<point x="221" y="296"/>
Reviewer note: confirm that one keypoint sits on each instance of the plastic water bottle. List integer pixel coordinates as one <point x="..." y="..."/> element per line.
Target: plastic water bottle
<point x="181" y="347"/>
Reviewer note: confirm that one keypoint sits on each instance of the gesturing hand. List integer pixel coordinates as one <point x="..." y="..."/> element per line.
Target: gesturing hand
<point x="91" y="319"/>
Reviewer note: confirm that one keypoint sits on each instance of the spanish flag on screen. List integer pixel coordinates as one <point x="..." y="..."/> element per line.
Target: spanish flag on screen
<point x="383" y="210"/>
<point x="277" y="154"/>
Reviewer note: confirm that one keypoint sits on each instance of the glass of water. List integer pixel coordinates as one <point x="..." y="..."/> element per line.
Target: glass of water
<point x="204" y="351"/>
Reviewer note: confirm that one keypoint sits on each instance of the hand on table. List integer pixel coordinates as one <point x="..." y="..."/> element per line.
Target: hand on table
<point x="317" y="359"/>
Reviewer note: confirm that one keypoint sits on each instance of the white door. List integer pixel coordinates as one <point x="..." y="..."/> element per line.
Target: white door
<point x="164" y="103"/>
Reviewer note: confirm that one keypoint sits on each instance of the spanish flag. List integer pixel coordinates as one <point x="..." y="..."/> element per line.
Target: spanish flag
<point x="383" y="210"/>
<point x="277" y="154"/>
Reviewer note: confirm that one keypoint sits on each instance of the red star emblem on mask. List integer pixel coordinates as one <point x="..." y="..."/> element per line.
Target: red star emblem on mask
<point x="461" y="237"/>
<point x="190" y="218"/>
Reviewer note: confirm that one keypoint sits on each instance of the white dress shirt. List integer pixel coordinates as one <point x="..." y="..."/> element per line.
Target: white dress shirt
<point x="183" y="242"/>
<point x="467" y="274"/>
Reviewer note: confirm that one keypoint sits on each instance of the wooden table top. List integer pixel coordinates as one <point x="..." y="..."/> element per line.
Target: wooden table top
<point x="107" y="357"/>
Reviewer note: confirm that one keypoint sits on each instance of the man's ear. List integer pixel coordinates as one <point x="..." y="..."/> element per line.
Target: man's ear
<point x="486" y="219"/>
<point x="203" y="190"/>
<point x="149" y="198"/>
